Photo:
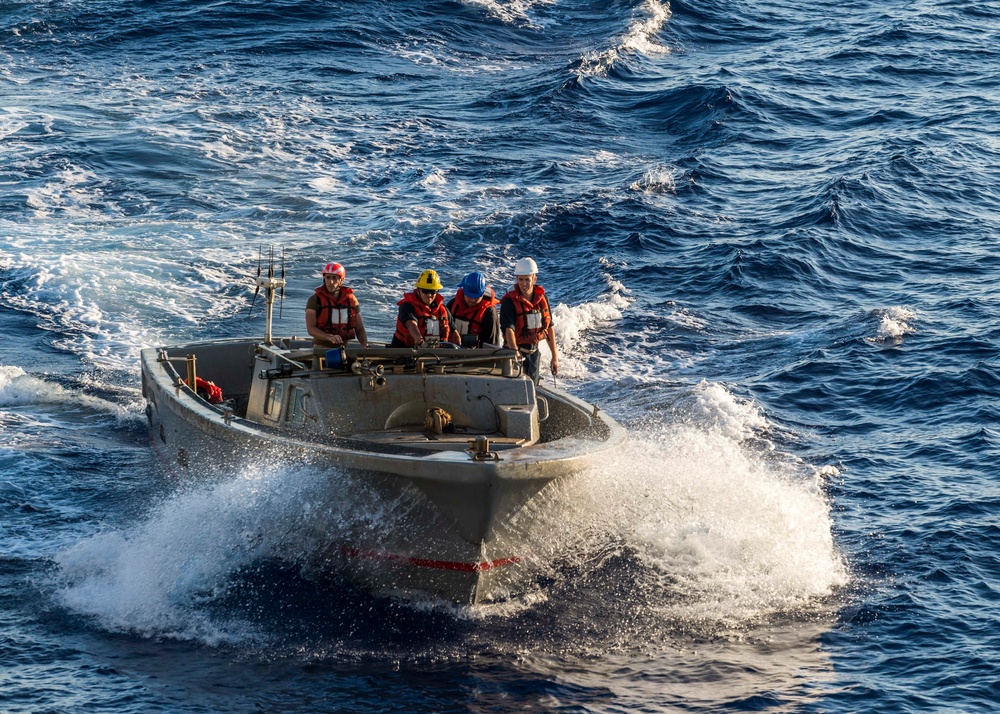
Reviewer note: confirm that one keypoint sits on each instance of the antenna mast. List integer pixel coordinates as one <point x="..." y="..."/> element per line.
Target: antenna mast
<point x="271" y="285"/>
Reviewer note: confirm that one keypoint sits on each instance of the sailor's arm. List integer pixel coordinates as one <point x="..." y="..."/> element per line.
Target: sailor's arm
<point x="411" y="327"/>
<point x="507" y="320"/>
<point x="313" y="329"/>
<point x="509" y="340"/>
<point x="359" y="332"/>
<point x="550" y="338"/>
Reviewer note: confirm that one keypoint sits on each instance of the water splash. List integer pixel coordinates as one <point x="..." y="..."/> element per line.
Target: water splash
<point x="573" y="321"/>
<point x="637" y="39"/>
<point x="18" y="388"/>
<point x="724" y="531"/>
<point x="656" y="181"/>
<point x="162" y="576"/>
<point x="893" y="323"/>
<point x="728" y="531"/>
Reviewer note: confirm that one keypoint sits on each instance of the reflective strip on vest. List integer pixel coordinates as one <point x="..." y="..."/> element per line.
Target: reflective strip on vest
<point x="534" y="320"/>
<point x="432" y="327"/>
<point x="340" y="316"/>
<point x="462" y="326"/>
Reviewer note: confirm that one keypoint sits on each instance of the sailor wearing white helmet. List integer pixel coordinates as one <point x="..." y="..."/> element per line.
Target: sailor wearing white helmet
<point x="525" y="319"/>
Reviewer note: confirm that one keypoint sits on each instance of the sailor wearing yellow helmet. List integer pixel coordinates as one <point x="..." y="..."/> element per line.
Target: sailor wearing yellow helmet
<point x="422" y="319"/>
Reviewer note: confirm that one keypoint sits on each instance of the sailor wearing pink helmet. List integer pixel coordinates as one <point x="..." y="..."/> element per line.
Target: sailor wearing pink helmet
<point x="333" y="315"/>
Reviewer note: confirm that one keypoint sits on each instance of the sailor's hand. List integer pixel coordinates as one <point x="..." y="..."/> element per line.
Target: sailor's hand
<point x="554" y="366"/>
<point x="336" y="339"/>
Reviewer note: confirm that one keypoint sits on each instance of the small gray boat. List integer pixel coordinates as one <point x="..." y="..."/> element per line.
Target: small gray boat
<point x="460" y="434"/>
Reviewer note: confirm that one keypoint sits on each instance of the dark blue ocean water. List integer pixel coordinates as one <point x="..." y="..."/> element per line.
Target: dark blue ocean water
<point x="770" y="233"/>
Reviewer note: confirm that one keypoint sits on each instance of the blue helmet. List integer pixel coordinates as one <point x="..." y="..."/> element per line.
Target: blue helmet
<point x="473" y="285"/>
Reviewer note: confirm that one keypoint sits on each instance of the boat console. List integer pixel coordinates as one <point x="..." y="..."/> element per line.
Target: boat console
<point x="435" y="398"/>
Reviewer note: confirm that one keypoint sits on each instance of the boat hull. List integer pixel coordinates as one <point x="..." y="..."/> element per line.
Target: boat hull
<point x="446" y="527"/>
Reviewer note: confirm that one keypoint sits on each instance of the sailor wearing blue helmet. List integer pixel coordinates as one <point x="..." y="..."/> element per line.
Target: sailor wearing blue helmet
<point x="476" y="322"/>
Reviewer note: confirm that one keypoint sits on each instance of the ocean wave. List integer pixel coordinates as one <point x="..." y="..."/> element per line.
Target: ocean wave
<point x="91" y="310"/>
<point x="18" y="388"/>
<point x="639" y="38"/>
<point x="514" y="12"/>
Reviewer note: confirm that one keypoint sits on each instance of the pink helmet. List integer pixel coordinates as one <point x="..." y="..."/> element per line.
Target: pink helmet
<point x="335" y="269"/>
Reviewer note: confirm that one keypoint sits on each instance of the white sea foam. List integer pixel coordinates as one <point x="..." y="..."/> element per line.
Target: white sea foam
<point x="326" y="184"/>
<point x="439" y="55"/>
<point x="686" y="318"/>
<point x="434" y="178"/>
<point x="638" y="38"/>
<point x="106" y="313"/>
<point x="158" y="577"/>
<point x="729" y="533"/>
<point x="12" y="120"/>
<point x="572" y="323"/>
<point x="74" y="192"/>
<point x="659" y="180"/>
<point x="18" y="388"/>
<point x="893" y="324"/>
<point x="513" y="12"/>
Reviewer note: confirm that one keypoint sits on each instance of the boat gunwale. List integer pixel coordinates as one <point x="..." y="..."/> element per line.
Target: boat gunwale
<point x="560" y="454"/>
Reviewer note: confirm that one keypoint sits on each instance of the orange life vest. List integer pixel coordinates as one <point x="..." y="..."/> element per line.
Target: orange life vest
<point x="337" y="316"/>
<point x="432" y="320"/>
<point x="532" y="317"/>
<point x="469" y="318"/>
<point x="208" y="391"/>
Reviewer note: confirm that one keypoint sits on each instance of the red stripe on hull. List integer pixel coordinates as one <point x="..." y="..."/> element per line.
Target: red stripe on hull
<point x="436" y="564"/>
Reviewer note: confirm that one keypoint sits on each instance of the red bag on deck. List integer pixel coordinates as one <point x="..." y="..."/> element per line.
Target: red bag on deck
<point x="208" y="391"/>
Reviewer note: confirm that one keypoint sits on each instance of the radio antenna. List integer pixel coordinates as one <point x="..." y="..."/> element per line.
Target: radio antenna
<point x="271" y="285"/>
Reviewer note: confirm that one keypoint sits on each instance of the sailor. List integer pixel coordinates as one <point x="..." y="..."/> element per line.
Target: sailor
<point x="333" y="315"/>
<point x="526" y="320"/>
<point x="473" y="309"/>
<point x="422" y="319"/>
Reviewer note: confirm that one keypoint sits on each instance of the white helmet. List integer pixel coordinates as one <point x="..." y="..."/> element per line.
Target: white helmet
<point x="525" y="266"/>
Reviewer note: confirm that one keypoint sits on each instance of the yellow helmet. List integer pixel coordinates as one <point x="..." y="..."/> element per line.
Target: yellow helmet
<point x="428" y="280"/>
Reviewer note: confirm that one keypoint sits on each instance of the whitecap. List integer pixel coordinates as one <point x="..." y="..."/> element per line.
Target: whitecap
<point x="638" y="38"/>
<point x="893" y="323"/>
<point x="511" y="12"/>
<point x="18" y="388"/>
<point x="659" y="180"/>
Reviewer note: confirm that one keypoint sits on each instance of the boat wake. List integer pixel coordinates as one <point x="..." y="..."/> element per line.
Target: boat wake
<point x="164" y="575"/>
<point x="702" y="525"/>
<point x="19" y="388"/>
<point x="723" y="528"/>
